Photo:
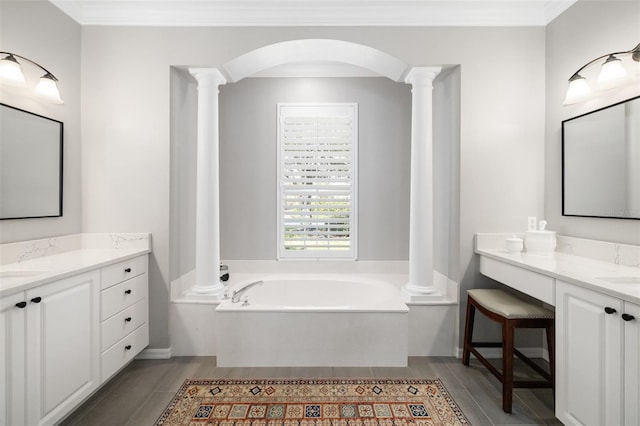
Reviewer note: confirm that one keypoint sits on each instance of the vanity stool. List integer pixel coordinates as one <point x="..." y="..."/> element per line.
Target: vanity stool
<point x="512" y="312"/>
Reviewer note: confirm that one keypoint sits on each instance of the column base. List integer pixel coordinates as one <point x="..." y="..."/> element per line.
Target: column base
<point x="206" y="292"/>
<point x="414" y="293"/>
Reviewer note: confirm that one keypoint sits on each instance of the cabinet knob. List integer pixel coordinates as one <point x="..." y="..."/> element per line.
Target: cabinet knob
<point x="127" y="319"/>
<point x="128" y="347"/>
<point x="127" y="270"/>
<point x="610" y="310"/>
<point x="21" y="305"/>
<point x="36" y="299"/>
<point x="628" y="317"/>
<point x="127" y="292"/>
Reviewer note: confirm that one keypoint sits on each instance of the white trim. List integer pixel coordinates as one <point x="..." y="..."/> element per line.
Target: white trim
<point x="554" y="8"/>
<point x="159" y="353"/>
<point x="314" y="12"/>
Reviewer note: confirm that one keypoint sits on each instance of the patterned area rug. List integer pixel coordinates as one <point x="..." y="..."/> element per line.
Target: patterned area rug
<point x="314" y="402"/>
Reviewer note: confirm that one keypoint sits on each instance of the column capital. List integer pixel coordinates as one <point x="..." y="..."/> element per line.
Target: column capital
<point x="422" y="75"/>
<point x="208" y="75"/>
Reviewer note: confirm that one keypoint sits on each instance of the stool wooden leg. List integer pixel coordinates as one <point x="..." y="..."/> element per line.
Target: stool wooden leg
<point x="468" y="332"/>
<point x="550" y="331"/>
<point x="507" y="365"/>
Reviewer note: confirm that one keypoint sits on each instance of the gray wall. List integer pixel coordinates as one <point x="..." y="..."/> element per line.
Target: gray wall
<point x="446" y="173"/>
<point x="44" y="34"/>
<point x="182" y="228"/>
<point x="248" y="161"/>
<point x="587" y="30"/>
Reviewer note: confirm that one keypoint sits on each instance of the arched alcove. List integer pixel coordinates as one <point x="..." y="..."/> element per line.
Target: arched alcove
<point x="318" y="52"/>
<point x="353" y="58"/>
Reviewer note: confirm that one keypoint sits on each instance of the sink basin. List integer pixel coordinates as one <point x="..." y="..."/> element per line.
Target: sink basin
<point x="621" y="280"/>
<point x="19" y="274"/>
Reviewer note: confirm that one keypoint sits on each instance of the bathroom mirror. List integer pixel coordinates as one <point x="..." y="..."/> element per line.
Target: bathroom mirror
<point x="30" y="165"/>
<point x="601" y="162"/>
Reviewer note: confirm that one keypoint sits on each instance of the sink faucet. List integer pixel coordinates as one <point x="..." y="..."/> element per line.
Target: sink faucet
<point x="235" y="296"/>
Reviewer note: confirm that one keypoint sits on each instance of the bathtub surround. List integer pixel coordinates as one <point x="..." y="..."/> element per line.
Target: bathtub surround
<point x="196" y="322"/>
<point x="313" y="320"/>
<point x="208" y="185"/>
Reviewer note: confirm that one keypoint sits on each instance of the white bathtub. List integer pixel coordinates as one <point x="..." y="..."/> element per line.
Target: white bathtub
<point x="313" y="320"/>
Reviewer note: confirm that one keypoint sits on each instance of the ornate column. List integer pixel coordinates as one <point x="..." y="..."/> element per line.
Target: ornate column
<point x="208" y="185"/>
<point x="420" y="286"/>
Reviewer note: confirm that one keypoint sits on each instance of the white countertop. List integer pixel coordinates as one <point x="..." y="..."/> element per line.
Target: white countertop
<point x="578" y="270"/>
<point x="34" y="263"/>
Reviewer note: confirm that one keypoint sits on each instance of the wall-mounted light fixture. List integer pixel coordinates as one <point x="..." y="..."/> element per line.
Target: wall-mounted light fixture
<point x="612" y="74"/>
<point x="11" y="74"/>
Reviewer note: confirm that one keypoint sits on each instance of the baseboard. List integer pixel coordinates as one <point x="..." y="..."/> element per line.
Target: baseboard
<point x="160" y="353"/>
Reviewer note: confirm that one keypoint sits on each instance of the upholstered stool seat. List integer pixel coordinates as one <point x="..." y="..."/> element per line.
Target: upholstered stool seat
<point x="511" y="312"/>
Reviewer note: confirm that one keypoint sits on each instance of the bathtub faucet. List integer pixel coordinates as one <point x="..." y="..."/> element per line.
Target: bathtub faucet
<point x="235" y="296"/>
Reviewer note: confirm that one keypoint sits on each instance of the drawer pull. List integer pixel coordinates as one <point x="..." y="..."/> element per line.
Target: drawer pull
<point x="36" y="299"/>
<point x="21" y="305"/>
<point x="609" y="310"/>
<point x="127" y="319"/>
<point x="127" y="270"/>
<point x="127" y="292"/>
<point x="128" y="347"/>
<point x="628" y="317"/>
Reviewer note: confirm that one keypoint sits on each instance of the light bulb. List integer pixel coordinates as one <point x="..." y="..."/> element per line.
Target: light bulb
<point x="578" y="90"/>
<point x="11" y="71"/>
<point x="48" y="89"/>
<point x="612" y="73"/>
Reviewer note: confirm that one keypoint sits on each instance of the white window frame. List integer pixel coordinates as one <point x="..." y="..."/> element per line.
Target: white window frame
<point x="319" y="110"/>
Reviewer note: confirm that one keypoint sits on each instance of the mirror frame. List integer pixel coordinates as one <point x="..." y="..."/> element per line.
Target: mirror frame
<point x="564" y="213"/>
<point x="60" y="166"/>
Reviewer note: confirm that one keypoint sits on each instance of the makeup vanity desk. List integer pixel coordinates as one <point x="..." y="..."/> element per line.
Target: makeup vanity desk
<point x="597" y="304"/>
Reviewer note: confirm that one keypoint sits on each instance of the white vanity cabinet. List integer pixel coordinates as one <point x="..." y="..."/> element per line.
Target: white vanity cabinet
<point x="597" y="347"/>
<point x="60" y="341"/>
<point x="13" y="377"/>
<point x="49" y="337"/>
<point x="124" y="327"/>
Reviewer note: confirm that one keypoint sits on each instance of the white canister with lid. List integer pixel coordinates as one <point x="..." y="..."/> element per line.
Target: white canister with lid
<point x="514" y="244"/>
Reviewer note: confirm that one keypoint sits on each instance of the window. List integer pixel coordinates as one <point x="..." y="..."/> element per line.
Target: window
<point x="317" y="153"/>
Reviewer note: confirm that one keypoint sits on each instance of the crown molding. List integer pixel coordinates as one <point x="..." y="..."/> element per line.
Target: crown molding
<point x="314" y="12"/>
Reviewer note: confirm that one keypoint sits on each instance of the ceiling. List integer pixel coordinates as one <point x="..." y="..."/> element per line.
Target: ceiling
<point x="314" y="12"/>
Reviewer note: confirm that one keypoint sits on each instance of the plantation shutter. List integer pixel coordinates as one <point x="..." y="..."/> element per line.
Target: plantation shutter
<point x="317" y="180"/>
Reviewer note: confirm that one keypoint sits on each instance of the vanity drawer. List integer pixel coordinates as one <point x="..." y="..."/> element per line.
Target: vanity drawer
<point x="122" y="323"/>
<point x="120" y="296"/>
<point x="536" y="285"/>
<point x="123" y="351"/>
<point x="111" y="275"/>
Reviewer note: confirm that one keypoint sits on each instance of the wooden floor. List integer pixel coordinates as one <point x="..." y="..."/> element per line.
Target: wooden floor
<point x="139" y="394"/>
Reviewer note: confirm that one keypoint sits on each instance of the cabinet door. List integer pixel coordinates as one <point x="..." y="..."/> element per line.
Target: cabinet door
<point x="588" y="357"/>
<point x="632" y="365"/>
<point x="12" y="361"/>
<point x="63" y="341"/>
